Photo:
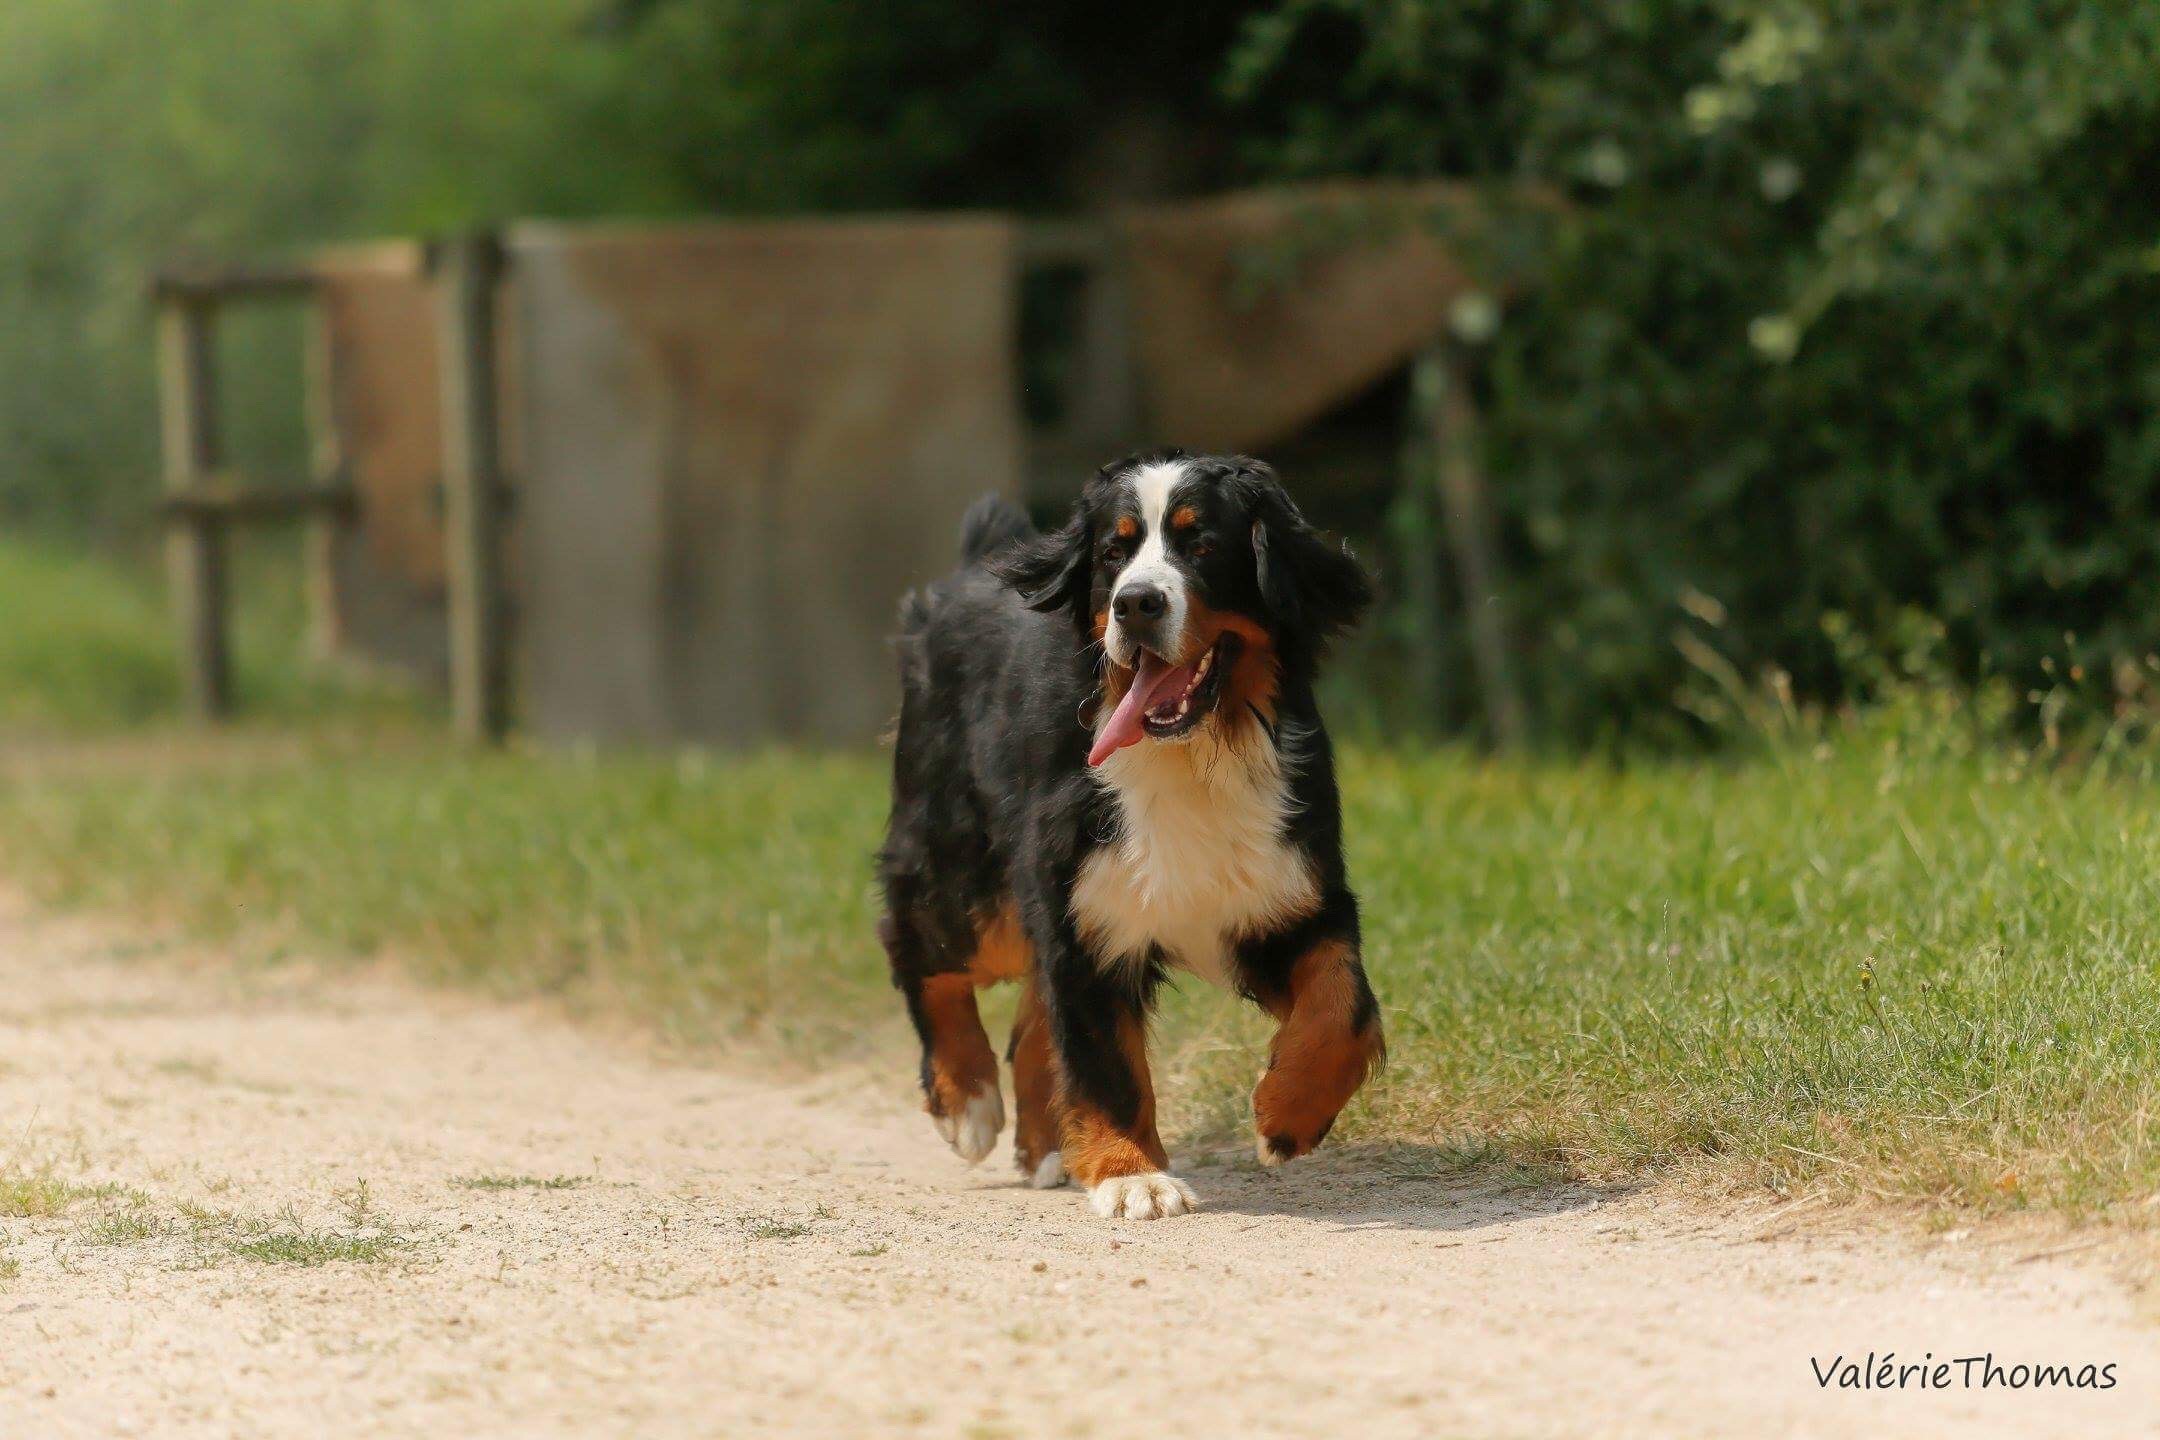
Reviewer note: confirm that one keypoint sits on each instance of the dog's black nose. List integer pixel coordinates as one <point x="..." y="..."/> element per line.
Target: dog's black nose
<point x="1140" y="602"/>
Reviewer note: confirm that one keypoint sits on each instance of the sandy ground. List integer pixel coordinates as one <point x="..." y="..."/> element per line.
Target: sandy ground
<point x="728" y="1255"/>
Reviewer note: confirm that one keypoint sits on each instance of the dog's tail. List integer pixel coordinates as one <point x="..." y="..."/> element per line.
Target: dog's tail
<point x="991" y="524"/>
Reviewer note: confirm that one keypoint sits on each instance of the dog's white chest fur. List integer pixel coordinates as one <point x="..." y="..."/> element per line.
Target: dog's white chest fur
<point x="1199" y="860"/>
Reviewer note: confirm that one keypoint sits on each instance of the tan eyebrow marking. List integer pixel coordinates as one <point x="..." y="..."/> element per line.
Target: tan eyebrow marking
<point x="1127" y="527"/>
<point x="1185" y="518"/>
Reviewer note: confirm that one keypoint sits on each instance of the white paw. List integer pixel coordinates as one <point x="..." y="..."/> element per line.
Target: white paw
<point x="974" y="1130"/>
<point x="1048" y="1174"/>
<point x="1143" y="1197"/>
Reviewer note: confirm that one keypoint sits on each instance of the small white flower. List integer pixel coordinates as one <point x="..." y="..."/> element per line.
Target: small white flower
<point x="1775" y="337"/>
<point x="1474" y="317"/>
<point x="1705" y="108"/>
<point x="1780" y="180"/>
<point x="1606" y="164"/>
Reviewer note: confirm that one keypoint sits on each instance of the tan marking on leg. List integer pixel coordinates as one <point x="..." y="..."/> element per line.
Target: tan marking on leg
<point x="1318" y="1058"/>
<point x="1034" y="1064"/>
<point x="1096" y="1148"/>
<point x="961" y="1060"/>
<point x="1002" y="951"/>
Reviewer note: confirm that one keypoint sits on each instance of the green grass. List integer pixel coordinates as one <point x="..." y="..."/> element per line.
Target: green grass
<point x="124" y="1227"/>
<point x="79" y="644"/>
<point x="205" y="1235"/>
<point x="314" y="1247"/>
<point x="280" y="1239"/>
<point x="108" y="1215"/>
<point x="1603" y="972"/>
<point x="714" y="900"/>
<point x="35" y="1194"/>
<point x="769" y="1227"/>
<point x="522" y="1182"/>
<point x="85" y="641"/>
<point x="1888" y="963"/>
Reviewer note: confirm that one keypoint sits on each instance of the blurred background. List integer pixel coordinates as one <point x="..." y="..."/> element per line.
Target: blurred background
<point x="1668" y="360"/>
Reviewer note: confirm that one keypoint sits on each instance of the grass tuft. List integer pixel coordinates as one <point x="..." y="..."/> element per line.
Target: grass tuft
<point x="34" y="1196"/>
<point x="205" y="1233"/>
<point x="769" y="1227"/>
<point x="315" y="1247"/>
<point x="37" y="1194"/>
<point x="124" y="1227"/>
<point x="521" y="1182"/>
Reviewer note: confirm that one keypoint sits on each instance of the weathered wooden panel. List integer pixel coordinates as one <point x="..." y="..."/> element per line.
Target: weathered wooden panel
<point x="1254" y="314"/>
<point x="737" y="445"/>
<point x="379" y="366"/>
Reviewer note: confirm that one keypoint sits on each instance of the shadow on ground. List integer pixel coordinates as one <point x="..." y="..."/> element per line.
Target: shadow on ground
<point x="1389" y="1187"/>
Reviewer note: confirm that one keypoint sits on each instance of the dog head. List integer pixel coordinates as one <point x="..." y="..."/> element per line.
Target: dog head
<point x="1201" y="582"/>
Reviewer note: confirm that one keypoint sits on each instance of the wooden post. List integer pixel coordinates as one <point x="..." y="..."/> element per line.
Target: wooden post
<point x="1441" y="403"/>
<point x="326" y="472"/>
<point x="465" y="282"/>
<point x="194" y="544"/>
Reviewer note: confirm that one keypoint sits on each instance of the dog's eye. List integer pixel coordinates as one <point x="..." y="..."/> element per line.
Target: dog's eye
<point x="1201" y="549"/>
<point x="1113" y="552"/>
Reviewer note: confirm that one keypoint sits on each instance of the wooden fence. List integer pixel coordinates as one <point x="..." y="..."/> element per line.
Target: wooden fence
<point x="1105" y="411"/>
<point x="204" y="500"/>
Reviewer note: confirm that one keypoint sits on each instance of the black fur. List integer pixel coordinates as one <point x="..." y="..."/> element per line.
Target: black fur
<point x="993" y="802"/>
<point x="991" y="524"/>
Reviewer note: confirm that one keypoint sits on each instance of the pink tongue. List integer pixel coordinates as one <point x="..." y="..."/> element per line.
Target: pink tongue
<point x="1156" y="681"/>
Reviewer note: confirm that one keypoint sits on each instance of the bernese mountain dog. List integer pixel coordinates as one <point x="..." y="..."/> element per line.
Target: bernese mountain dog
<point x="1109" y="765"/>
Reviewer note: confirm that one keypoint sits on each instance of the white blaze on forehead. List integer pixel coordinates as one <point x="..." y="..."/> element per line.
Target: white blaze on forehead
<point x="1151" y="487"/>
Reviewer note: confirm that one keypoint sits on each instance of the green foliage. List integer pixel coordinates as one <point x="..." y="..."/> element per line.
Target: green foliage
<point x="867" y="104"/>
<point x="1842" y="316"/>
<point x="134" y="132"/>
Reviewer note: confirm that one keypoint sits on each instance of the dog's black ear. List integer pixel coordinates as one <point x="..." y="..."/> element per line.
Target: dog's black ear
<point x="1314" y="589"/>
<point x="1050" y="571"/>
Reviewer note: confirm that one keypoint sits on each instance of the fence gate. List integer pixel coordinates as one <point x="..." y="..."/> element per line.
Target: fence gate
<point x="450" y="345"/>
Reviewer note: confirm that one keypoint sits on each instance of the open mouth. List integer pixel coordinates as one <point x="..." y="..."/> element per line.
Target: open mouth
<point x="1165" y="701"/>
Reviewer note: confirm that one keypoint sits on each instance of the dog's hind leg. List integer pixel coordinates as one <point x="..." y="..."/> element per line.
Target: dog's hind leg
<point x="1037" y="1147"/>
<point x="959" y="1069"/>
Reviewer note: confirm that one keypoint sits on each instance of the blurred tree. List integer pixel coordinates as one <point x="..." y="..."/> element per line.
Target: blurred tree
<point x="1846" y="317"/>
<point x="130" y="131"/>
<point x="861" y="104"/>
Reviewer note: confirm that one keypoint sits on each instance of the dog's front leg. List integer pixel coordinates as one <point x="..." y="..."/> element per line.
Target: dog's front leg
<point x="1329" y="1040"/>
<point x="1106" y="1100"/>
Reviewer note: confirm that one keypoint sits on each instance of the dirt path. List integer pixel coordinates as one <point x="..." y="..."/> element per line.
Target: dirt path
<point x="722" y="1255"/>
